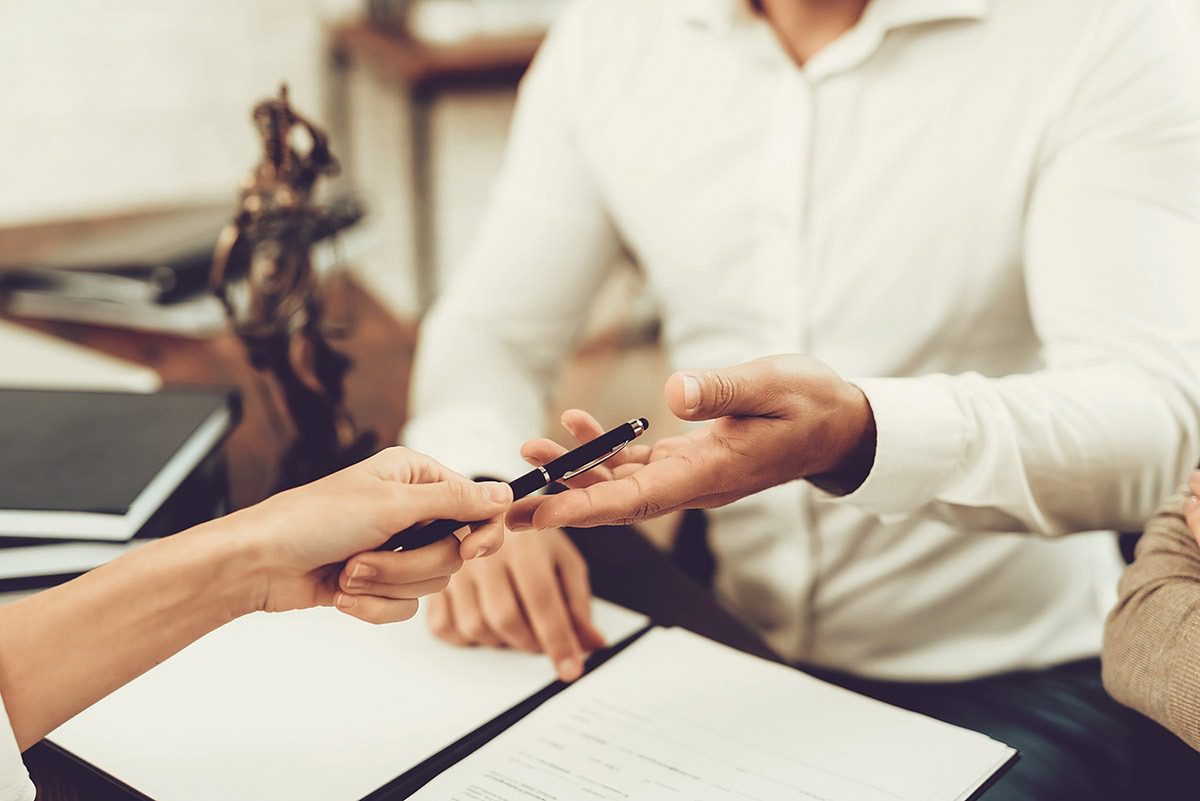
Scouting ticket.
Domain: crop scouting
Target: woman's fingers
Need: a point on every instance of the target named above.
(456, 499)
(481, 541)
(401, 465)
(441, 558)
(374, 609)
(417, 589)
(520, 514)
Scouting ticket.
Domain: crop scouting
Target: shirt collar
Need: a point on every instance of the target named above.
(715, 15)
(892, 14)
(720, 15)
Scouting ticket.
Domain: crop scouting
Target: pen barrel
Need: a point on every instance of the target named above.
(592, 451)
(420, 536)
(528, 484)
(586, 455)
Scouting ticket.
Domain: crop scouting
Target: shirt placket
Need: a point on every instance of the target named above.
(784, 192)
(787, 182)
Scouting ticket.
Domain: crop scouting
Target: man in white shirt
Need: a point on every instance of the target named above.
(983, 213)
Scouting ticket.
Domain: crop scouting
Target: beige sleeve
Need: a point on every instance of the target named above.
(1152, 640)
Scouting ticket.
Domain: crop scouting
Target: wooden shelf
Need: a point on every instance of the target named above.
(431, 67)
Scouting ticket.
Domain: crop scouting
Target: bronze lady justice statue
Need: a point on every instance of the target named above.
(263, 273)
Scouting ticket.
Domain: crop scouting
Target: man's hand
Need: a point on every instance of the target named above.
(314, 544)
(775, 420)
(533, 596)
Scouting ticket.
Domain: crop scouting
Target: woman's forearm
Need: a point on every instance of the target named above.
(64, 649)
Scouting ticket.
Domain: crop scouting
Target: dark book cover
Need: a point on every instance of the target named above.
(203, 496)
(100, 464)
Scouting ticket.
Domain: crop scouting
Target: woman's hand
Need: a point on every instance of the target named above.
(314, 544)
(774, 420)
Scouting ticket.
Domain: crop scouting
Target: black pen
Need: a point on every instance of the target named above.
(565, 467)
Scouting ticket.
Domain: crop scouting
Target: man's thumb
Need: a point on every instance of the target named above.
(741, 390)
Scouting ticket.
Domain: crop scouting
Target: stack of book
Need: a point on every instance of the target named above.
(87, 476)
(149, 275)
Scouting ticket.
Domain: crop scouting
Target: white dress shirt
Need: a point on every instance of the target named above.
(985, 212)
(14, 779)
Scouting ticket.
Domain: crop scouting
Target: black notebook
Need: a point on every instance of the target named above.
(98, 465)
(31, 564)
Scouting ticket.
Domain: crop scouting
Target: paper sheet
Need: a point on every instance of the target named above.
(304, 705)
(29, 359)
(675, 716)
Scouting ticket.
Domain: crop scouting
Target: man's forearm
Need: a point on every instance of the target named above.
(63, 649)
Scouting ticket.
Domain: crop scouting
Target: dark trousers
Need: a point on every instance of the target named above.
(1075, 743)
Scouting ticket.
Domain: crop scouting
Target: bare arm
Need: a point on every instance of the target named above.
(64, 649)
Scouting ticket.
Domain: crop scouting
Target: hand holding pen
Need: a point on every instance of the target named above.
(565, 467)
(534, 595)
(770, 421)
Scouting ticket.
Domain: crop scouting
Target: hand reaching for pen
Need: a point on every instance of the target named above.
(774, 420)
(315, 542)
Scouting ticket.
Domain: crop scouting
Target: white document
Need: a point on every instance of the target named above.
(310, 705)
(676, 716)
(32, 360)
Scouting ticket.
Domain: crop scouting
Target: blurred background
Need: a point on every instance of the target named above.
(126, 133)
(132, 105)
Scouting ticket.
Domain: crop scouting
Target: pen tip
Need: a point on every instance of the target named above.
(645, 424)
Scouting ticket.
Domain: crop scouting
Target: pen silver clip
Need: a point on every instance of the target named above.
(572, 473)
